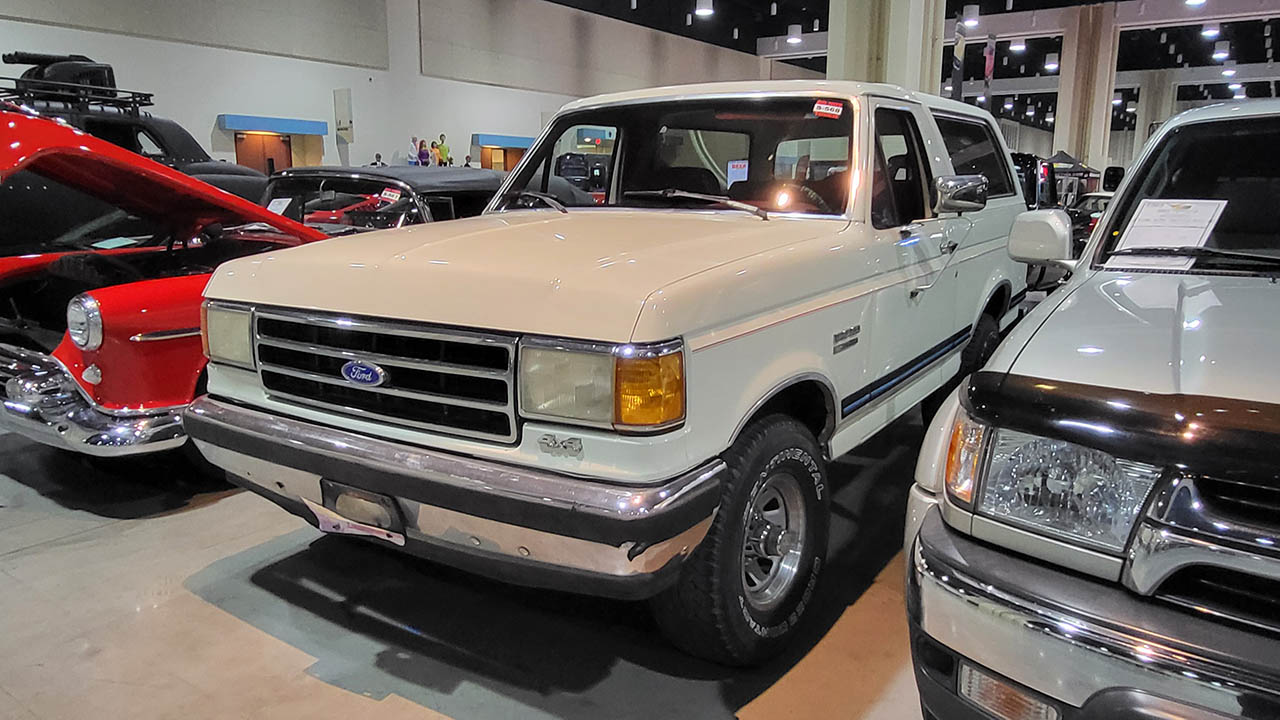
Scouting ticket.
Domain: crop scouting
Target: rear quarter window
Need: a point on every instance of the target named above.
(974, 151)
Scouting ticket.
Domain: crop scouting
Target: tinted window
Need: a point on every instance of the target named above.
(1236, 161)
(974, 151)
(900, 181)
(43, 215)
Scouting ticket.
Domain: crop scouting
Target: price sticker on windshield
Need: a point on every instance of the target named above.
(390, 194)
(828, 109)
(279, 205)
(1160, 223)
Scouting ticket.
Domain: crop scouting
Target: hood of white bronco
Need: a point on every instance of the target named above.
(582, 274)
(1214, 336)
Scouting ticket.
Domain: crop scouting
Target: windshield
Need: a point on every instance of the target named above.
(1235, 162)
(355, 203)
(777, 154)
(41, 215)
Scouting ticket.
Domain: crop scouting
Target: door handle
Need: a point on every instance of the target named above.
(909, 230)
(948, 246)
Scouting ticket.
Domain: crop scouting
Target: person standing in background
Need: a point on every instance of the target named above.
(414, 146)
(377, 161)
(468, 162)
(444, 151)
(424, 153)
(435, 153)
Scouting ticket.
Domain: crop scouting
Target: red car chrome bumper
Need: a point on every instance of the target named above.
(42, 402)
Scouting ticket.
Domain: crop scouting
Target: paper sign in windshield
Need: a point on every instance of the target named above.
(279, 205)
(827, 109)
(738, 170)
(115, 242)
(390, 194)
(1167, 223)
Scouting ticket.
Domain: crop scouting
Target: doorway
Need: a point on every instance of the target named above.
(265, 152)
(496, 158)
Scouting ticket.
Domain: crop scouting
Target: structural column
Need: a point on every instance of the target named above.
(1087, 68)
(894, 41)
(1157, 97)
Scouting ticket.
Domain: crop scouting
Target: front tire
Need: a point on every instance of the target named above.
(741, 595)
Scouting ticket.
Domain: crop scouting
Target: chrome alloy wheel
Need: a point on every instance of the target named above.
(774, 540)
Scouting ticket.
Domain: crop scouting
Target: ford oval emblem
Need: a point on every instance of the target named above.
(364, 373)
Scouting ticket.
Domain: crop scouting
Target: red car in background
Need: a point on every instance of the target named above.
(100, 304)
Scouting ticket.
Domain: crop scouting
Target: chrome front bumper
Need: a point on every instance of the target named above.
(43, 402)
(1079, 642)
(514, 523)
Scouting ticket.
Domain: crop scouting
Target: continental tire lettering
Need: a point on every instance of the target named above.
(800, 456)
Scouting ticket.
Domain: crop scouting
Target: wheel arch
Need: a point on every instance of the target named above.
(996, 299)
(809, 397)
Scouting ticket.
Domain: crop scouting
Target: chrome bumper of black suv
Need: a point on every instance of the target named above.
(1087, 648)
(518, 524)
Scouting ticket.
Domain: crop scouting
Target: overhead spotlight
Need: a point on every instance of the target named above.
(793, 34)
(1229, 68)
(946, 88)
(969, 16)
(633, 4)
(1240, 95)
(1195, 3)
(688, 18)
(982, 98)
(1008, 104)
(1051, 62)
(1221, 50)
(817, 24)
(1049, 118)
(1117, 100)
(1235, 86)
(773, 8)
(704, 8)
(735, 33)
(1211, 30)
(1031, 110)
(1131, 107)
(1018, 45)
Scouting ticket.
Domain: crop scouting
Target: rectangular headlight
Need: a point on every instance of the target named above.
(227, 334)
(566, 384)
(624, 386)
(1065, 490)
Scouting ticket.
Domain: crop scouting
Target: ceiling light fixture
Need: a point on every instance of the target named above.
(793, 34)
(773, 8)
(688, 18)
(1031, 111)
(1117, 100)
(1240, 95)
(817, 24)
(1018, 45)
(1131, 107)
(1235, 86)
(704, 8)
(1051, 62)
(1229, 68)
(633, 4)
(982, 98)
(1211, 30)
(1221, 50)
(735, 33)
(1008, 104)
(1195, 3)
(969, 17)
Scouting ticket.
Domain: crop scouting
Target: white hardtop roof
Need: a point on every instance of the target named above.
(764, 88)
(1230, 110)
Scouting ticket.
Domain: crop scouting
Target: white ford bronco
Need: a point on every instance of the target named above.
(632, 391)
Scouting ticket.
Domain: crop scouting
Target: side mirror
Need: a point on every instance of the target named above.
(1042, 237)
(1111, 178)
(960, 193)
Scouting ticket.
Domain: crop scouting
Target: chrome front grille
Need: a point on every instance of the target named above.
(1212, 546)
(450, 381)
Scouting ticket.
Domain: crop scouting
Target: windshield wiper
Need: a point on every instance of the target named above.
(550, 200)
(721, 199)
(1197, 252)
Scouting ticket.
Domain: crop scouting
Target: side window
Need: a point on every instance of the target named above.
(148, 146)
(577, 153)
(900, 174)
(974, 151)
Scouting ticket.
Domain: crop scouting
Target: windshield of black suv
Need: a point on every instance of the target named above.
(358, 203)
(41, 215)
(772, 154)
(1236, 161)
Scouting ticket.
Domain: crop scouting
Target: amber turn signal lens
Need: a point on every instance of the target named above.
(204, 327)
(963, 457)
(649, 391)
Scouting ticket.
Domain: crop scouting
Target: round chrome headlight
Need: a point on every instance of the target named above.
(84, 322)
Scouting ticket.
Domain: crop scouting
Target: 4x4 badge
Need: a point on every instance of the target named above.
(568, 447)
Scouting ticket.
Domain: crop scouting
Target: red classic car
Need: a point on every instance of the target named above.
(100, 304)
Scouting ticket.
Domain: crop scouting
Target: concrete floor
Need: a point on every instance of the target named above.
(138, 590)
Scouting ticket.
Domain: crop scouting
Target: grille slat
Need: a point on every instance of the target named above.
(455, 382)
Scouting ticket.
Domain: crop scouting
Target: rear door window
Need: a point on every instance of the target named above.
(901, 180)
(974, 151)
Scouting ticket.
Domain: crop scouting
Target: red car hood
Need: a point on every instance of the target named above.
(125, 179)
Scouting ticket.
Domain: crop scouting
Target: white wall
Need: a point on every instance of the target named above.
(351, 33)
(193, 84)
(544, 46)
(1022, 138)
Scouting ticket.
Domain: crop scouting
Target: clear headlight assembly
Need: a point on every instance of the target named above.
(1051, 487)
